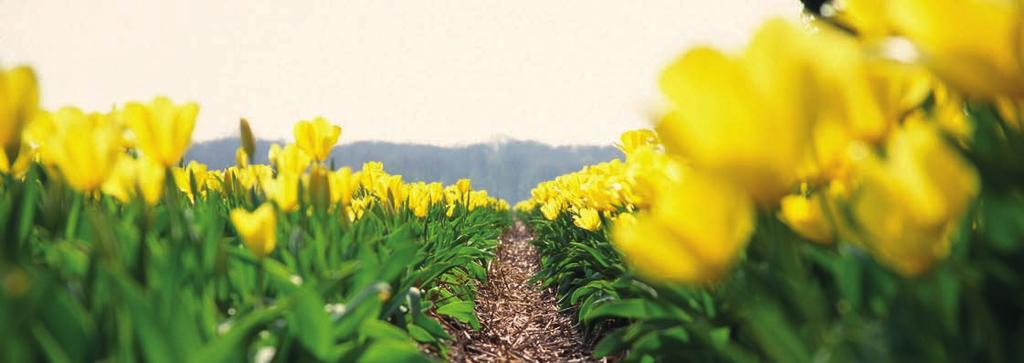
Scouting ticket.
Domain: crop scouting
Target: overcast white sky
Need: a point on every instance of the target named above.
(439, 72)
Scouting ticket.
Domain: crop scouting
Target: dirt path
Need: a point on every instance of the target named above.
(520, 323)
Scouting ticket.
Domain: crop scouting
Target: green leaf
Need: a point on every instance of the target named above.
(635, 309)
(462, 311)
(392, 351)
(420, 335)
(312, 323)
(227, 346)
(612, 343)
(381, 330)
(719, 336)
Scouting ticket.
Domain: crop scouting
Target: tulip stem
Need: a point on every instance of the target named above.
(76, 208)
(261, 272)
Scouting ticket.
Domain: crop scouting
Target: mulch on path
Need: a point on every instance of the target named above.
(520, 322)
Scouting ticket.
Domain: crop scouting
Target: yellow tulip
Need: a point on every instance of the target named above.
(692, 234)
(343, 184)
(258, 229)
(121, 183)
(19, 102)
(551, 209)
(134, 178)
(908, 205)
(273, 153)
(806, 216)
(318, 187)
(587, 219)
(193, 172)
(745, 118)
(357, 208)
(215, 181)
(284, 191)
(162, 129)
(86, 148)
(972, 44)
(1010, 110)
(150, 176)
(291, 160)
(20, 165)
(635, 139)
(464, 185)
(419, 200)
(436, 191)
(869, 18)
(241, 157)
(316, 137)
(393, 189)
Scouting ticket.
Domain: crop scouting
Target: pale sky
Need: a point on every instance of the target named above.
(438, 72)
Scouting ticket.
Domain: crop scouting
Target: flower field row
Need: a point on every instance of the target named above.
(820, 195)
(113, 250)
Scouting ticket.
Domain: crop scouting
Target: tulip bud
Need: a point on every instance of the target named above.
(247, 139)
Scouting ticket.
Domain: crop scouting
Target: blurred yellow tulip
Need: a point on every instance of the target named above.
(241, 157)
(258, 229)
(150, 176)
(284, 191)
(806, 216)
(19, 102)
(162, 129)
(191, 180)
(86, 147)
(868, 18)
(316, 137)
(464, 185)
(908, 204)
(692, 234)
(18, 167)
(343, 184)
(974, 45)
(746, 118)
(291, 160)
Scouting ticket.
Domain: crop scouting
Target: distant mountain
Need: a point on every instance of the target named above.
(507, 168)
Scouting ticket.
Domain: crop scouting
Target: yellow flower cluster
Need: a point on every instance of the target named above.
(123, 153)
(821, 127)
(128, 153)
(608, 188)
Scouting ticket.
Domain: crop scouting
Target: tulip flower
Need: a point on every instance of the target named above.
(971, 44)
(291, 160)
(19, 166)
(258, 229)
(86, 148)
(19, 102)
(162, 129)
(746, 118)
(551, 209)
(806, 216)
(909, 204)
(316, 137)
(343, 185)
(587, 219)
(635, 139)
(191, 179)
(284, 190)
(692, 234)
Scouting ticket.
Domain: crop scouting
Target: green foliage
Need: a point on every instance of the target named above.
(89, 279)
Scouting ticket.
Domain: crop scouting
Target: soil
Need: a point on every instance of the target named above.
(520, 322)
